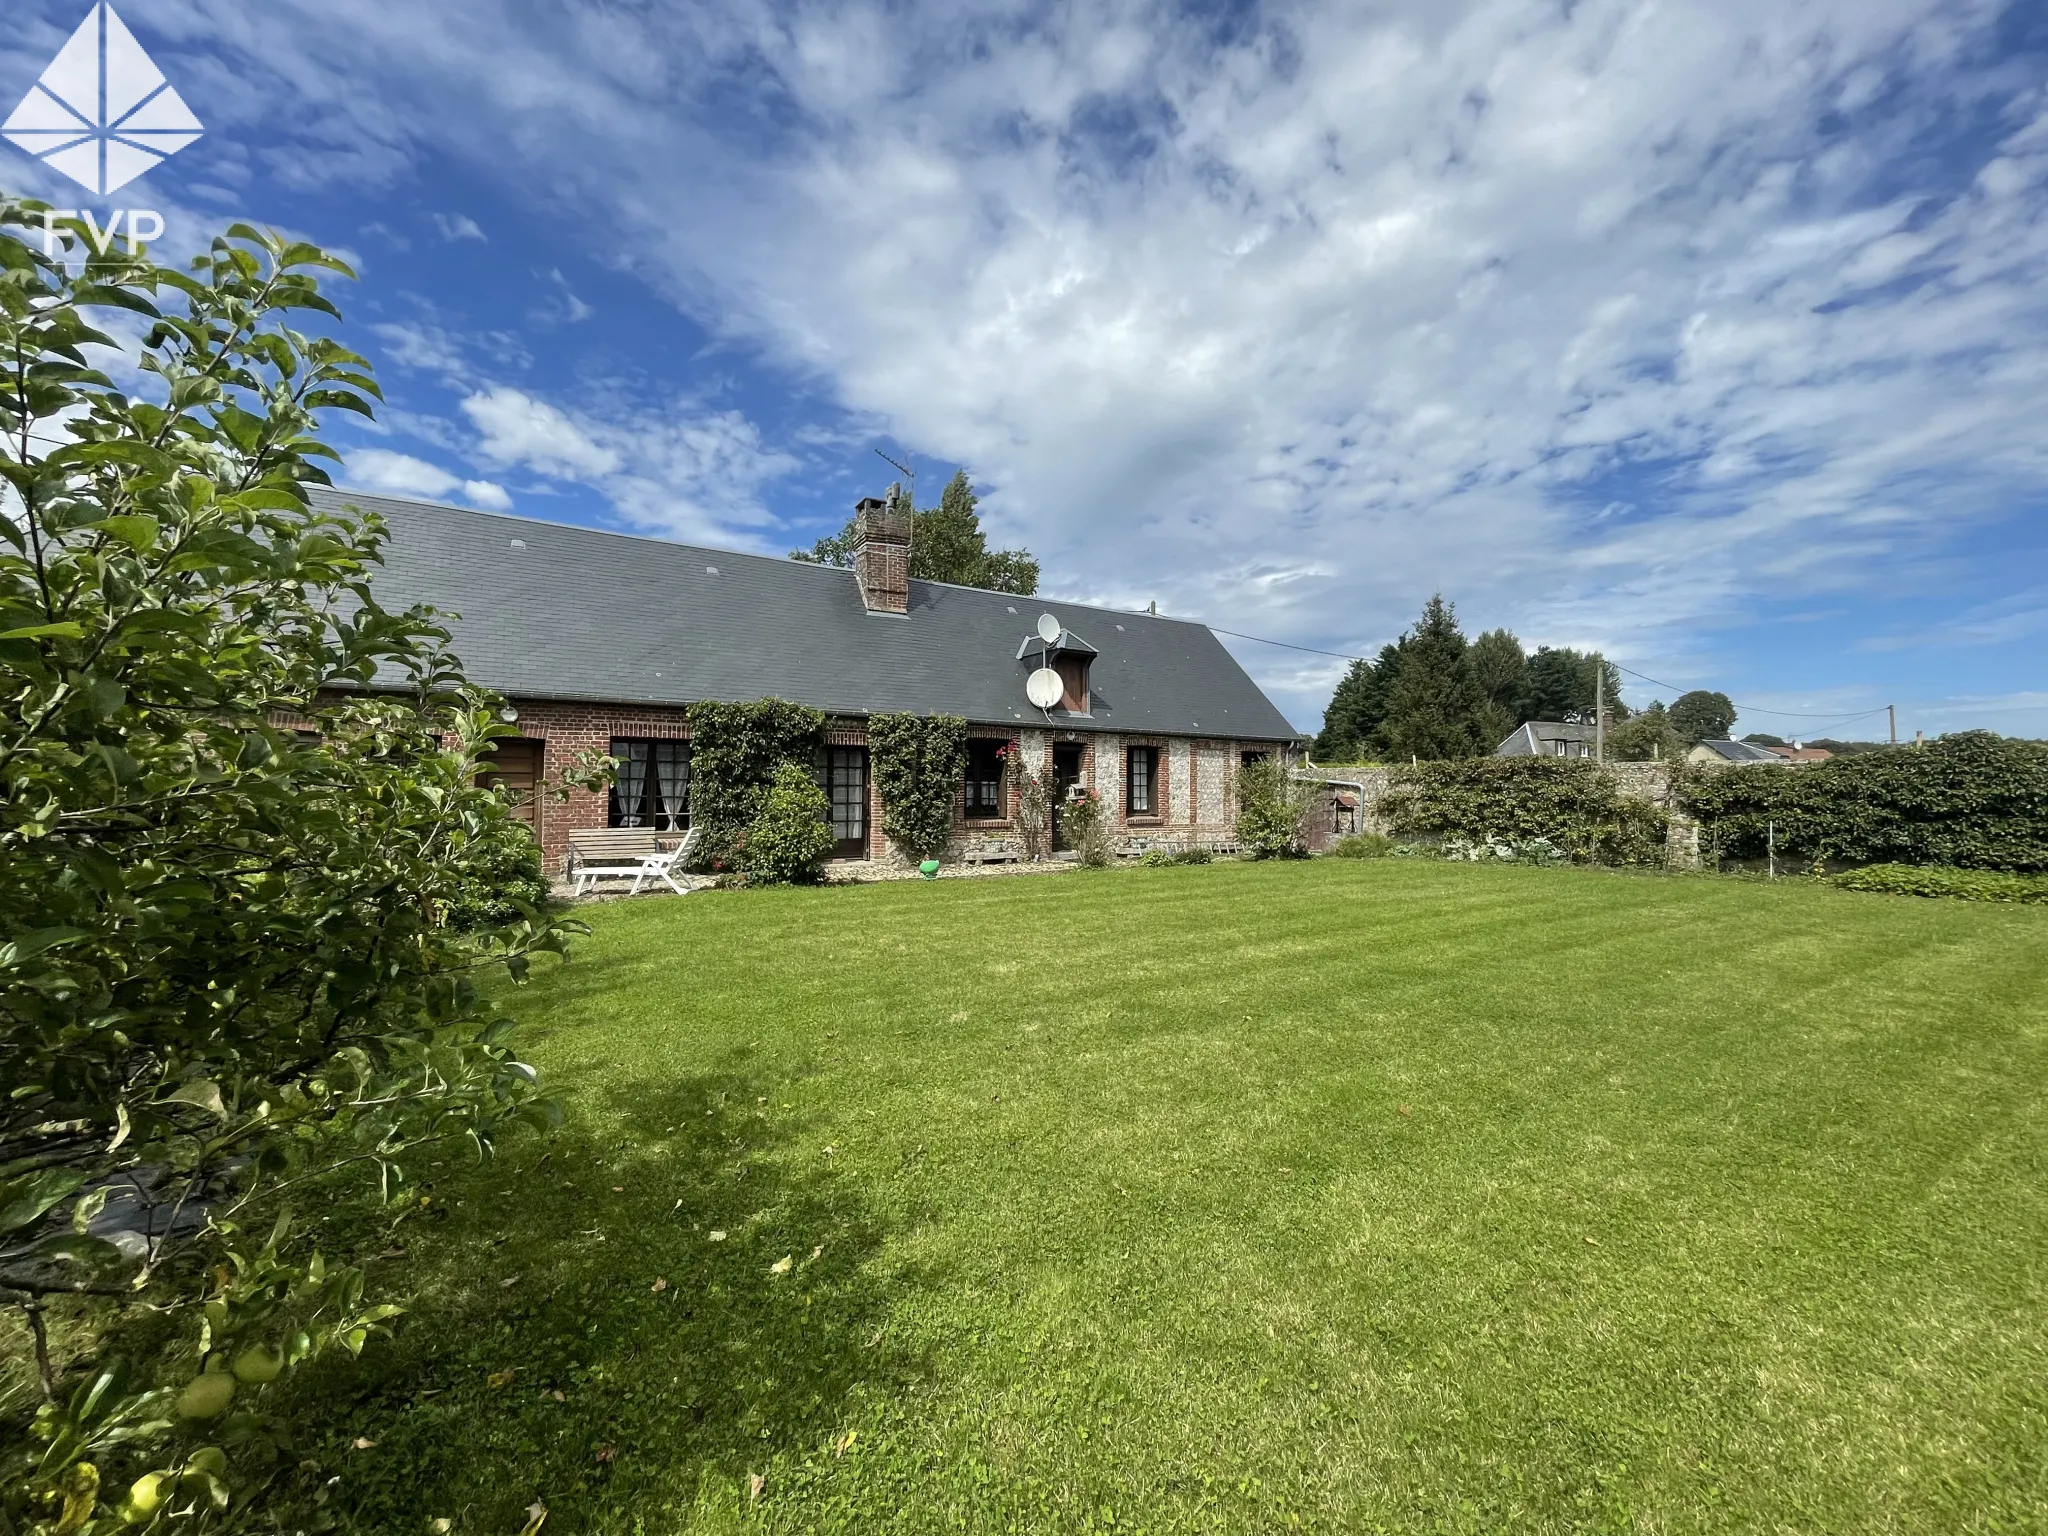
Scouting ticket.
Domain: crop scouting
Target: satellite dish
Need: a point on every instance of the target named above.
(1049, 628)
(1043, 688)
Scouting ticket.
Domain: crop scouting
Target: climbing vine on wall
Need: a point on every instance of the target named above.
(918, 764)
(735, 753)
(1572, 802)
(1030, 789)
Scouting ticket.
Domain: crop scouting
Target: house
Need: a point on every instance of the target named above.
(1549, 738)
(1795, 753)
(1721, 754)
(602, 640)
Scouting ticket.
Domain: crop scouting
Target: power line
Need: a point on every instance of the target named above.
(1747, 709)
(1285, 644)
(1754, 709)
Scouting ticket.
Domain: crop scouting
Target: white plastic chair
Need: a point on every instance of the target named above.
(661, 866)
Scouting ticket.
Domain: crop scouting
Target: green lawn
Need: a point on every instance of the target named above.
(1340, 1197)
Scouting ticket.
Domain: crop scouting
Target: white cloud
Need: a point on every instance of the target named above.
(684, 470)
(568, 309)
(517, 429)
(426, 347)
(399, 474)
(458, 226)
(430, 346)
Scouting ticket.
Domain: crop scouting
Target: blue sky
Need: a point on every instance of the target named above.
(1714, 334)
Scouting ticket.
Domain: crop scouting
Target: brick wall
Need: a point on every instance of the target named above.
(569, 729)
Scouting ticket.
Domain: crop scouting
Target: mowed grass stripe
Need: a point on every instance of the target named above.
(1714, 1207)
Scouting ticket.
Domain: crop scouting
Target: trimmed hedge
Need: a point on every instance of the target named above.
(1936, 880)
(1973, 800)
(1571, 803)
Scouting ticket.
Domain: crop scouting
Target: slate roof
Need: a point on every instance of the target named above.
(557, 612)
(1538, 738)
(1741, 752)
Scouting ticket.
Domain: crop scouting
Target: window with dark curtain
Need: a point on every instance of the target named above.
(671, 785)
(984, 799)
(1140, 780)
(629, 789)
(653, 786)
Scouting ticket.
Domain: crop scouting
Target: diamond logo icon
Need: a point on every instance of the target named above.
(102, 113)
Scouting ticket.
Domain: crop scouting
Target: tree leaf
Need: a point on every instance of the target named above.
(25, 1201)
(32, 944)
(133, 529)
(202, 1092)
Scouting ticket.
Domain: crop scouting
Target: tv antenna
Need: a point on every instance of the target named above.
(908, 474)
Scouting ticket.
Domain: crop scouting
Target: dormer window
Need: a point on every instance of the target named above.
(1073, 671)
(1070, 656)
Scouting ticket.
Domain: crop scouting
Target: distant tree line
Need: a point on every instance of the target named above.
(1435, 695)
(946, 544)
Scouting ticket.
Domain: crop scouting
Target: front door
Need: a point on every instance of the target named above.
(846, 785)
(1066, 773)
(513, 765)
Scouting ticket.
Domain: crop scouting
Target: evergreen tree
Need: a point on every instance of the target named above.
(1434, 705)
(1357, 709)
(1501, 669)
(946, 544)
(1560, 687)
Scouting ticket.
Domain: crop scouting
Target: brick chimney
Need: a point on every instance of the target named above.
(881, 552)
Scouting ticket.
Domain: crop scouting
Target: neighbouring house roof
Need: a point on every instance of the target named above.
(552, 611)
(1798, 754)
(1737, 752)
(1539, 738)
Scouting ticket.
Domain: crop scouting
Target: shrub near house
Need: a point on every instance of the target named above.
(1273, 808)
